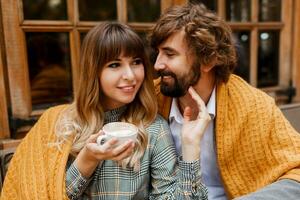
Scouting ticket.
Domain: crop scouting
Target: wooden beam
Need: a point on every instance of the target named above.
(254, 44)
(4, 125)
(285, 44)
(15, 49)
(296, 50)
(122, 10)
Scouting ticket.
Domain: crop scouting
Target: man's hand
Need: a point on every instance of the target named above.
(193, 130)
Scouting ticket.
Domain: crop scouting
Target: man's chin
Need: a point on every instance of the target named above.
(172, 92)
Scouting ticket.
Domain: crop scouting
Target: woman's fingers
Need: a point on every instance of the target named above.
(196, 97)
(108, 151)
(93, 137)
(125, 151)
(187, 114)
(203, 113)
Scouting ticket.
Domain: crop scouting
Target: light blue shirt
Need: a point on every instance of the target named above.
(210, 170)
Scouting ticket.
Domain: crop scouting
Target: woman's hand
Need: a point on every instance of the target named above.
(90, 156)
(193, 130)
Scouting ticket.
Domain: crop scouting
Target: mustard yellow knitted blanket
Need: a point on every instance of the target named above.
(37, 170)
(255, 144)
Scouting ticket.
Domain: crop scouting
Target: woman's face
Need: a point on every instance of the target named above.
(120, 81)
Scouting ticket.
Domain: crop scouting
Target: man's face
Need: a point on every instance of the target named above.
(176, 66)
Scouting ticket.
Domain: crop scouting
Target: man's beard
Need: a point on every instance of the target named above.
(181, 83)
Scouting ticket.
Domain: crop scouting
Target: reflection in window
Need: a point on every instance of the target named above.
(143, 10)
(95, 10)
(45, 9)
(49, 68)
(82, 35)
(210, 4)
(270, 10)
(267, 71)
(238, 10)
(242, 43)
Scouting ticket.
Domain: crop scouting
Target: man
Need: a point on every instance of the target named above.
(249, 151)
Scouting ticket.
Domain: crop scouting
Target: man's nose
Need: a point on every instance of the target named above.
(159, 64)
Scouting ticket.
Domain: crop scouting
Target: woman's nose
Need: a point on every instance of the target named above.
(128, 73)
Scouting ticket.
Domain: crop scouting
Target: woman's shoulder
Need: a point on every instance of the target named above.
(158, 126)
(51, 114)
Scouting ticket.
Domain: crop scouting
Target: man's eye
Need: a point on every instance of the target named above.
(114, 65)
(170, 54)
(137, 61)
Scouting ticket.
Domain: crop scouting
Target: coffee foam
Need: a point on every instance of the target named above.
(121, 133)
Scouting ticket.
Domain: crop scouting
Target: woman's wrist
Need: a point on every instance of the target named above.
(190, 152)
(85, 163)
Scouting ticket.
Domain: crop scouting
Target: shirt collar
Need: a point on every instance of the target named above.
(177, 116)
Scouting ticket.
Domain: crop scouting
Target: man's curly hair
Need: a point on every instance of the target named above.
(208, 37)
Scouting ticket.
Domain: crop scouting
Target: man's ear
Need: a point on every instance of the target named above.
(207, 67)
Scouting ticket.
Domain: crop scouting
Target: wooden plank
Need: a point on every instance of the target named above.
(253, 57)
(46, 23)
(221, 9)
(4, 124)
(72, 11)
(179, 2)
(254, 10)
(141, 26)
(122, 10)
(46, 28)
(285, 44)
(296, 51)
(16, 60)
(9, 143)
(75, 53)
(254, 44)
(164, 4)
(251, 25)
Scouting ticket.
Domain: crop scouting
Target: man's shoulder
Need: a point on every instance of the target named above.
(240, 88)
(243, 96)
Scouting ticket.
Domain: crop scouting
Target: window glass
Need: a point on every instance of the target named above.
(269, 10)
(242, 43)
(143, 10)
(238, 10)
(268, 54)
(45, 9)
(210, 4)
(49, 68)
(95, 10)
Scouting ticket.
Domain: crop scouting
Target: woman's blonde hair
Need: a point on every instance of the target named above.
(85, 116)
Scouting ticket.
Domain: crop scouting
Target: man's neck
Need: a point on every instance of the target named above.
(204, 88)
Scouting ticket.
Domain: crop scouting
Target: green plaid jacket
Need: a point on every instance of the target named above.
(161, 174)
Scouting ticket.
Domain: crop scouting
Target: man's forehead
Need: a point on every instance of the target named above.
(175, 40)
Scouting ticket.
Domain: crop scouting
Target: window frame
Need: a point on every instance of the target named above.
(14, 30)
(14, 75)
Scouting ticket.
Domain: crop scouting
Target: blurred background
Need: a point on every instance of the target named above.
(40, 45)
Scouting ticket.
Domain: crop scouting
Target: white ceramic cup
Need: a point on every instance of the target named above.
(122, 131)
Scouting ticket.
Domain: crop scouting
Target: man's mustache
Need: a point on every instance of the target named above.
(166, 73)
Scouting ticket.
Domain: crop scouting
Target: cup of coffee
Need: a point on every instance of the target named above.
(122, 131)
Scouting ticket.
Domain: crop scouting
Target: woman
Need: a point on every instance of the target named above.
(115, 85)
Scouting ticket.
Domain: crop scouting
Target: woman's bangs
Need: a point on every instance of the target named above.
(123, 42)
(132, 46)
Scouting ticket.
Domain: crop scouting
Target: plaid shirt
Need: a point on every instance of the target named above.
(160, 176)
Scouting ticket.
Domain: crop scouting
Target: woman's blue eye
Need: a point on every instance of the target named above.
(114, 65)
